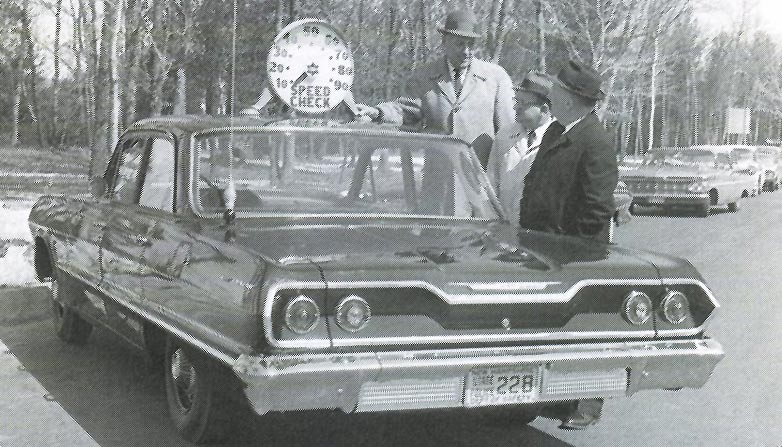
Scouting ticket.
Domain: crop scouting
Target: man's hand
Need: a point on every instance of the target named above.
(367, 111)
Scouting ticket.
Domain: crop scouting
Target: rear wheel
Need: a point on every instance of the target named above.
(734, 206)
(703, 210)
(68, 324)
(199, 394)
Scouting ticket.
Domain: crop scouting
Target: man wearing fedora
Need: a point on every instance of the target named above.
(569, 189)
(456, 94)
(517, 145)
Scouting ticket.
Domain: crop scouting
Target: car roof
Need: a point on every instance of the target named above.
(192, 124)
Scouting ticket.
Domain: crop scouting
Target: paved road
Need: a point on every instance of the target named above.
(106, 389)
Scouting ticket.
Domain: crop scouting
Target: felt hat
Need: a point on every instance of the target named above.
(536, 83)
(462, 23)
(581, 79)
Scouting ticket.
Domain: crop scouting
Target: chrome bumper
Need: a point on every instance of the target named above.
(671, 199)
(398, 380)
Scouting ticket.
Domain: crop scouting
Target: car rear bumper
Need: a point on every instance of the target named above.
(689, 199)
(399, 380)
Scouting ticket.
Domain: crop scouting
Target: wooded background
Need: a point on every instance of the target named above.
(115, 61)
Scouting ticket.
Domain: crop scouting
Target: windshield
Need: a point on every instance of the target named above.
(312, 173)
(743, 154)
(766, 154)
(683, 157)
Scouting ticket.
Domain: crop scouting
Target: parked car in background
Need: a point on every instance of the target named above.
(745, 163)
(622, 199)
(699, 177)
(306, 264)
(770, 160)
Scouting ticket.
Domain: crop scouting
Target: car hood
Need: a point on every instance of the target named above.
(452, 251)
(663, 172)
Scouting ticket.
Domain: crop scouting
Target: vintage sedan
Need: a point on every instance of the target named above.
(744, 162)
(700, 177)
(302, 265)
(770, 160)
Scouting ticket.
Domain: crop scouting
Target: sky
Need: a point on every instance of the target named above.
(725, 15)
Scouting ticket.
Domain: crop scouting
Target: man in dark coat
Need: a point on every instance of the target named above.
(569, 189)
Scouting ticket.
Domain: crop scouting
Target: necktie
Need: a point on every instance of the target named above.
(457, 80)
(530, 140)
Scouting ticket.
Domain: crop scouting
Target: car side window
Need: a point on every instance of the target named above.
(128, 175)
(157, 191)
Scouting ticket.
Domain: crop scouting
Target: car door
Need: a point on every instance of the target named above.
(130, 227)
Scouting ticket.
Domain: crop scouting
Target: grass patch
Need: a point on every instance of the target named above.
(74, 160)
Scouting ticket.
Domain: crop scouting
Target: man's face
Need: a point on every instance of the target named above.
(458, 49)
(529, 111)
(560, 100)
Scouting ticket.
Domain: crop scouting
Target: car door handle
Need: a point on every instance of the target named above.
(142, 240)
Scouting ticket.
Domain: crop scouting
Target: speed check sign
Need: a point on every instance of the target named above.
(310, 66)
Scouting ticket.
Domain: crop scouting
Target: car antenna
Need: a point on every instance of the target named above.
(229, 194)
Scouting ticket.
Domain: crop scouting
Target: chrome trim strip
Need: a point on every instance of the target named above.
(228, 360)
(486, 286)
(225, 358)
(469, 299)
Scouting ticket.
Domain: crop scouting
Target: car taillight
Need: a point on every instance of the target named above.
(637, 307)
(675, 307)
(301, 314)
(353, 313)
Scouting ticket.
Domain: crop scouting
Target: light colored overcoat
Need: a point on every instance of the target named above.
(429, 101)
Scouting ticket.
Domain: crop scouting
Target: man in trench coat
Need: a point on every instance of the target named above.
(456, 94)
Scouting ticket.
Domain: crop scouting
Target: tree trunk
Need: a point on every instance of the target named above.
(112, 135)
(655, 58)
(15, 113)
(56, 79)
(541, 36)
(180, 100)
(32, 73)
(392, 40)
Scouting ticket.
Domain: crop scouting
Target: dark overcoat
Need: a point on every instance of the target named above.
(570, 186)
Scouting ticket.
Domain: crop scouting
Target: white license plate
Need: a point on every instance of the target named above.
(502, 386)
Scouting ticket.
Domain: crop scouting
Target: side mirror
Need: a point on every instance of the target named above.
(97, 187)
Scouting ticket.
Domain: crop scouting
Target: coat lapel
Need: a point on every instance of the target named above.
(553, 139)
(470, 81)
(443, 80)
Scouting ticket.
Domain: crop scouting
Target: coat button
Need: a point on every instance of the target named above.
(456, 109)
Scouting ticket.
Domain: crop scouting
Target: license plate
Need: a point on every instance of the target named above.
(656, 201)
(502, 386)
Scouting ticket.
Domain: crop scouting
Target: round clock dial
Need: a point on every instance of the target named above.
(310, 66)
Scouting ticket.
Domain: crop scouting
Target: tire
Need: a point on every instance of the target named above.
(69, 326)
(703, 210)
(734, 206)
(198, 394)
(631, 210)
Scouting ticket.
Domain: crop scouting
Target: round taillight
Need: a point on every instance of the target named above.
(353, 313)
(637, 307)
(301, 314)
(675, 307)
